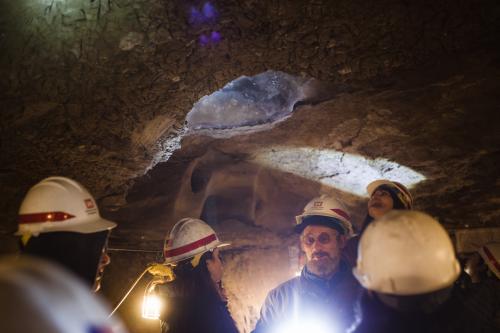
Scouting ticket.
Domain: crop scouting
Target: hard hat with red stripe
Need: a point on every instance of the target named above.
(188, 238)
(491, 255)
(60, 204)
(328, 211)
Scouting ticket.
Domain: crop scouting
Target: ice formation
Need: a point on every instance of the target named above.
(250, 101)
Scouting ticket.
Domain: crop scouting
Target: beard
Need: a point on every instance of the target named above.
(322, 264)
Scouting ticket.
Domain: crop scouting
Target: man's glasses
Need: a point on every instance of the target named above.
(323, 238)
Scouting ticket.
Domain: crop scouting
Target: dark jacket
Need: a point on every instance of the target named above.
(484, 299)
(202, 313)
(309, 296)
(350, 251)
(373, 316)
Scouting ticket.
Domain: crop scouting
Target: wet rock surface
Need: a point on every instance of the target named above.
(99, 91)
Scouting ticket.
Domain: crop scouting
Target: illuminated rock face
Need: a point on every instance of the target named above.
(250, 186)
(101, 94)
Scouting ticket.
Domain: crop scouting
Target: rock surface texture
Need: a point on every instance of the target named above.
(99, 91)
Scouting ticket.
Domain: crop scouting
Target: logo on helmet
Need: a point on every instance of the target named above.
(89, 203)
(318, 204)
(91, 207)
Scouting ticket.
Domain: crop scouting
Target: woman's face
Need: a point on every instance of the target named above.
(215, 267)
(380, 203)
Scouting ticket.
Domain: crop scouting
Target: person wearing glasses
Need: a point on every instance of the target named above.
(321, 299)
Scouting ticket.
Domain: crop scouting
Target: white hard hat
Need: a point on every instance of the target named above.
(38, 296)
(60, 204)
(406, 253)
(403, 194)
(188, 238)
(491, 255)
(329, 207)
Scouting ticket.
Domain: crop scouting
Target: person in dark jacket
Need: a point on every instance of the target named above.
(483, 291)
(59, 220)
(321, 299)
(408, 268)
(196, 301)
(385, 196)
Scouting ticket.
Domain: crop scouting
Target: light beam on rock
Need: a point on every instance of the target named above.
(344, 171)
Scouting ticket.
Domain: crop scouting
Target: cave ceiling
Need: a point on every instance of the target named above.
(99, 91)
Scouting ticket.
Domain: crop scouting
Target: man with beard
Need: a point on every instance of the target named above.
(321, 299)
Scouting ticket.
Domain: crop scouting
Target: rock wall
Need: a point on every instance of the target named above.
(99, 90)
(102, 87)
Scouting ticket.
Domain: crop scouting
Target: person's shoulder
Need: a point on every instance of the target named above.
(459, 312)
(286, 286)
(350, 251)
(347, 280)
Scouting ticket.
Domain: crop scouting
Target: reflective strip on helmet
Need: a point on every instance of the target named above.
(191, 246)
(341, 213)
(44, 217)
(491, 258)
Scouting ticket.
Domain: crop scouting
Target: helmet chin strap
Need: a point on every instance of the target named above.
(196, 259)
(25, 239)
